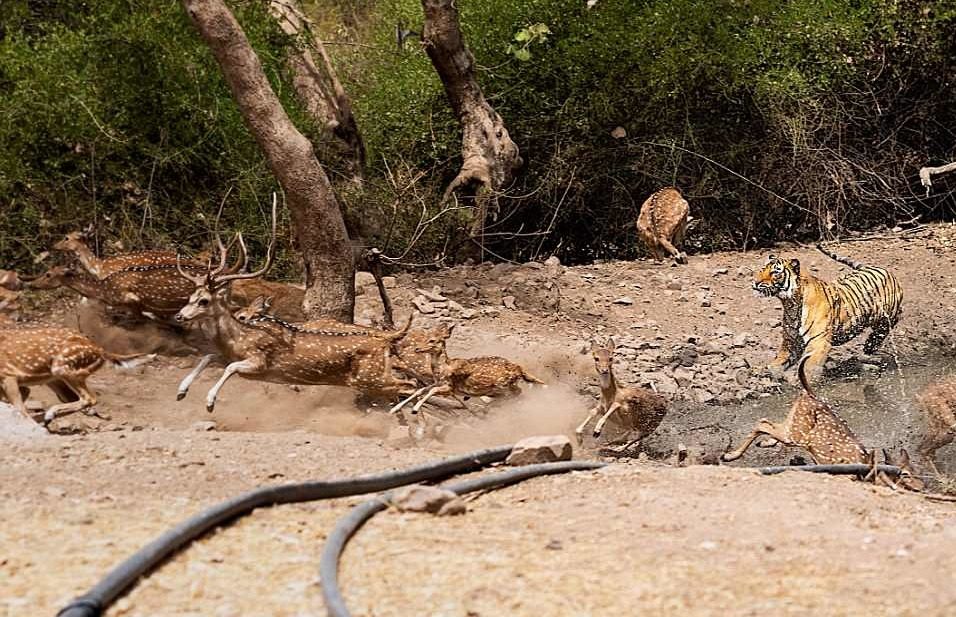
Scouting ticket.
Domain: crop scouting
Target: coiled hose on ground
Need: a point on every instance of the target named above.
(123, 576)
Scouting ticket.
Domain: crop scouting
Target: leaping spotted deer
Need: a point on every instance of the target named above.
(639, 411)
(75, 242)
(59, 358)
(262, 351)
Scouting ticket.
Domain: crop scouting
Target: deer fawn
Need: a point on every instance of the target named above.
(264, 353)
(662, 223)
(938, 401)
(638, 411)
(59, 358)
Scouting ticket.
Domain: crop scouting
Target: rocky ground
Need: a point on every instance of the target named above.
(641, 535)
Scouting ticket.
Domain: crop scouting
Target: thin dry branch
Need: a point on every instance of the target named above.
(926, 174)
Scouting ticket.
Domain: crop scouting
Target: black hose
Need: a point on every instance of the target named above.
(123, 576)
(354, 520)
(840, 470)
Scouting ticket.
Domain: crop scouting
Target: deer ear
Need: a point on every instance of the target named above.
(904, 458)
(267, 301)
(595, 346)
(611, 344)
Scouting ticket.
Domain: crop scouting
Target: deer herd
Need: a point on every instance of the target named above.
(257, 329)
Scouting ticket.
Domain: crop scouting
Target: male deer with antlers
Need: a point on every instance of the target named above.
(265, 353)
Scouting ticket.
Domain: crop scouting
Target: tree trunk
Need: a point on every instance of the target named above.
(489, 156)
(318, 87)
(319, 227)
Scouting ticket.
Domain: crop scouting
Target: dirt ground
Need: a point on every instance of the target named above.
(640, 535)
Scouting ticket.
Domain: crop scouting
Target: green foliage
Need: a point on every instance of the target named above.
(116, 112)
(525, 38)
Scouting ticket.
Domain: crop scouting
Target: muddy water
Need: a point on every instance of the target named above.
(879, 405)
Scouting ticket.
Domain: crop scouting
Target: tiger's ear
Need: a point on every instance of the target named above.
(795, 265)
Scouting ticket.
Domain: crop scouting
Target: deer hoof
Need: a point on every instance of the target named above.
(48, 417)
(210, 406)
(596, 434)
(180, 396)
(727, 457)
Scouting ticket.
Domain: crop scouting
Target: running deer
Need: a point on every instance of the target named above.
(662, 224)
(59, 358)
(938, 402)
(260, 351)
(465, 377)
(76, 242)
(638, 411)
(813, 425)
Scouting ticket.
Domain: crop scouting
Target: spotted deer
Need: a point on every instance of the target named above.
(59, 358)
(662, 224)
(638, 411)
(938, 402)
(75, 242)
(9, 306)
(465, 377)
(265, 353)
(813, 425)
(10, 281)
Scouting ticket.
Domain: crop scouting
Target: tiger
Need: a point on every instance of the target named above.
(662, 223)
(818, 314)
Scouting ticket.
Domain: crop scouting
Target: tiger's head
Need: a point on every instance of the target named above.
(780, 277)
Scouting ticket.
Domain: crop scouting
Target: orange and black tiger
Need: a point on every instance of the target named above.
(819, 314)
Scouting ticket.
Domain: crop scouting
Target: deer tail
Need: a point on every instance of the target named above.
(128, 361)
(801, 371)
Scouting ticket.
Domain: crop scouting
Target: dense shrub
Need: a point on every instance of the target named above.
(778, 120)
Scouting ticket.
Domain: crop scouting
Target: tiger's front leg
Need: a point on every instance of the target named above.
(784, 357)
(818, 349)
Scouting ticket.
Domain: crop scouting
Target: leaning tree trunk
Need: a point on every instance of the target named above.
(489, 156)
(318, 87)
(319, 227)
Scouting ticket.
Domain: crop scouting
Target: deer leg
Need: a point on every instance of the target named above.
(579, 431)
(87, 399)
(244, 366)
(12, 389)
(672, 250)
(63, 392)
(934, 439)
(763, 427)
(600, 423)
(193, 374)
(434, 391)
(410, 398)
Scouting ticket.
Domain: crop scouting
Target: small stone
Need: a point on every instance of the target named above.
(390, 282)
(741, 340)
(421, 498)
(363, 279)
(455, 306)
(423, 305)
(552, 262)
(203, 426)
(720, 271)
(487, 400)
(432, 296)
(509, 302)
(540, 449)
(625, 300)
(741, 272)
(619, 132)
(683, 377)
(554, 545)
(468, 314)
(675, 285)
(705, 302)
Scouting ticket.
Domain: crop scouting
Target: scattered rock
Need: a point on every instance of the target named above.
(468, 314)
(421, 498)
(625, 300)
(203, 426)
(390, 282)
(363, 279)
(540, 449)
(509, 302)
(432, 296)
(675, 285)
(720, 271)
(552, 262)
(423, 305)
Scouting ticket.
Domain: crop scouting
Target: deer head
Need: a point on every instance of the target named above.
(74, 240)
(908, 477)
(51, 279)
(603, 360)
(212, 289)
(435, 339)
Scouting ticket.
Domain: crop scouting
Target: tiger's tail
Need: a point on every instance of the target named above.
(801, 371)
(843, 260)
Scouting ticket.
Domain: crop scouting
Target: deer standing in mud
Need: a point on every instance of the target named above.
(662, 224)
(638, 411)
(262, 351)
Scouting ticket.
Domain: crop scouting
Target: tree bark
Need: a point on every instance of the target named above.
(489, 156)
(319, 227)
(318, 87)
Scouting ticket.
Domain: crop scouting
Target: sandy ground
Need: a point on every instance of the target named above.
(638, 536)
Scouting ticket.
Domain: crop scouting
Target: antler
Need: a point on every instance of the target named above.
(222, 278)
(195, 280)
